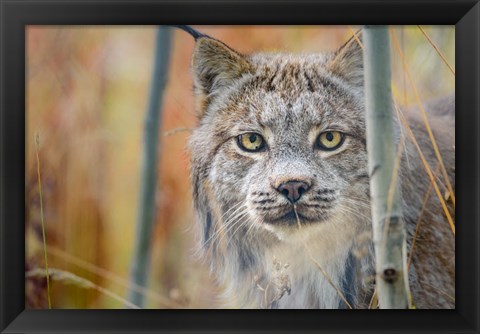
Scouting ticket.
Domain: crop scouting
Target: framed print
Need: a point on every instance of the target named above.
(215, 164)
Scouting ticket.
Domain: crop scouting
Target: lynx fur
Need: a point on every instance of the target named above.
(267, 251)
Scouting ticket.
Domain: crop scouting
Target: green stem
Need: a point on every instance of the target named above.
(388, 225)
(146, 207)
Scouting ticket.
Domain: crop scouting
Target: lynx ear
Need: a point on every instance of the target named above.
(347, 61)
(216, 66)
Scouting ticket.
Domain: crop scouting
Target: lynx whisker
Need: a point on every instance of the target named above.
(233, 208)
(350, 211)
(253, 225)
(225, 226)
(228, 227)
(241, 223)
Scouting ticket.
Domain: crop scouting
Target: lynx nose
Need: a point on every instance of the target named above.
(293, 190)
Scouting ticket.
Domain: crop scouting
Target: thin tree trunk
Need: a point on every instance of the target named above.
(388, 224)
(146, 207)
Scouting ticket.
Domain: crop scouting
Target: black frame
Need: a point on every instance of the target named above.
(15, 14)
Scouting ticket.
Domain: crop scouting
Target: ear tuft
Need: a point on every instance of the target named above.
(216, 66)
(347, 61)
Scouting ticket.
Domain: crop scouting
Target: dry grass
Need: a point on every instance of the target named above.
(114, 278)
(70, 278)
(437, 50)
(425, 119)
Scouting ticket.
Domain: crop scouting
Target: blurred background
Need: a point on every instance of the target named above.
(87, 90)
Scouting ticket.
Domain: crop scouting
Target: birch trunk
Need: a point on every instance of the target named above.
(146, 207)
(388, 225)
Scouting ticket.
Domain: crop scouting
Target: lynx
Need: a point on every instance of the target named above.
(281, 185)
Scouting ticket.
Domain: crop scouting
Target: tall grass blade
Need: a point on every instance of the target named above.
(437, 50)
(37, 145)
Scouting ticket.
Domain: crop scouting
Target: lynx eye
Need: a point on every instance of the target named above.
(330, 140)
(251, 142)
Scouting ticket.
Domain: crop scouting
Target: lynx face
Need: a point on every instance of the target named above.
(279, 132)
(279, 176)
